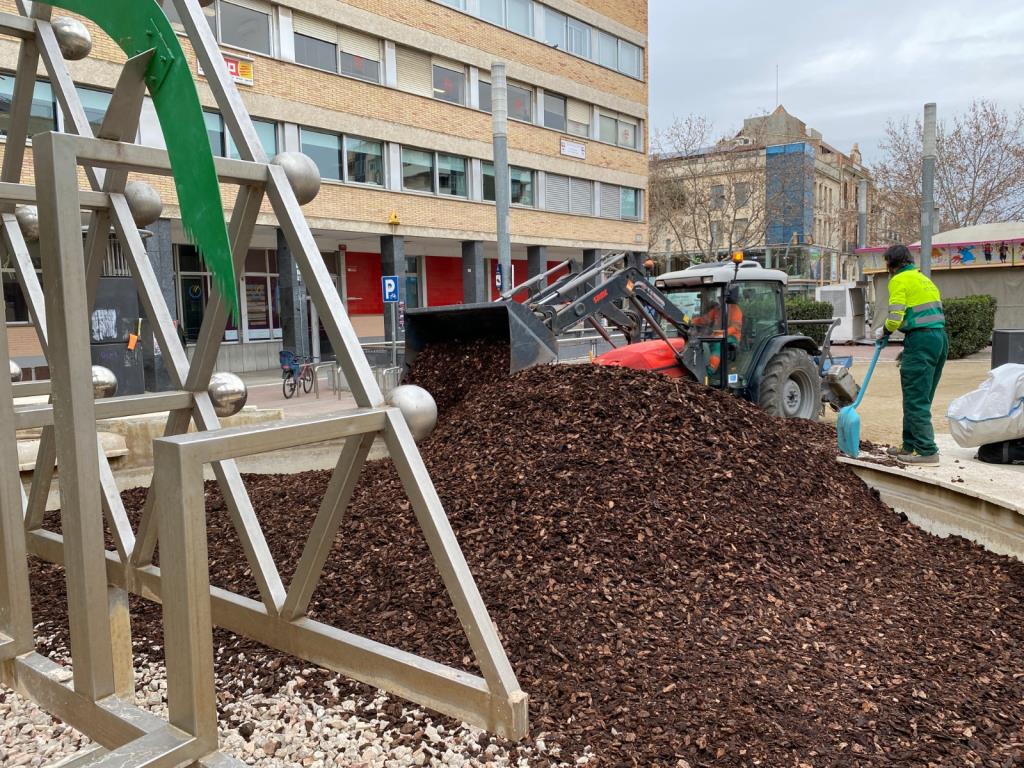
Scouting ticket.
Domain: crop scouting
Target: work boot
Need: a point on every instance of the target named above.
(916, 458)
(896, 450)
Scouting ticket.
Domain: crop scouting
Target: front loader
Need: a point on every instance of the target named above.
(663, 328)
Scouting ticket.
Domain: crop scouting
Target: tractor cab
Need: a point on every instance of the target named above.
(734, 310)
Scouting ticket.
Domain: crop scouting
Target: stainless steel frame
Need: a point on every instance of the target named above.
(98, 699)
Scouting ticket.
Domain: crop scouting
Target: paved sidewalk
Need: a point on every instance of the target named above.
(265, 392)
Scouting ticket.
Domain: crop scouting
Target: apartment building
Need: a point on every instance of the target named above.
(391, 99)
(776, 190)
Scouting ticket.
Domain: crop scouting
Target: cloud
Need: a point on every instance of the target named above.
(845, 68)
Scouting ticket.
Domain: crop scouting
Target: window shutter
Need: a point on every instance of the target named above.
(581, 197)
(313, 27)
(358, 44)
(611, 202)
(415, 73)
(449, 64)
(556, 193)
(254, 5)
(578, 112)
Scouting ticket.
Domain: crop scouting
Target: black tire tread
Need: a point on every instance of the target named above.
(777, 372)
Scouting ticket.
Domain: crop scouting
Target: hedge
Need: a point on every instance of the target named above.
(801, 308)
(969, 324)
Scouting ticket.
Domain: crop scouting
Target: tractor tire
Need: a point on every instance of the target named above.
(790, 386)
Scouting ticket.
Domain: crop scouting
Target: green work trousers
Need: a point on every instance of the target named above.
(924, 354)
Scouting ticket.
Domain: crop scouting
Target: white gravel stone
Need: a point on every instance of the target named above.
(300, 724)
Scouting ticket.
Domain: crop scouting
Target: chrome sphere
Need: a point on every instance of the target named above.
(73, 38)
(104, 382)
(15, 372)
(28, 221)
(144, 202)
(302, 174)
(228, 393)
(418, 407)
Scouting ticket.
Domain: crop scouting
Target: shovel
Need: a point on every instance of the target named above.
(848, 426)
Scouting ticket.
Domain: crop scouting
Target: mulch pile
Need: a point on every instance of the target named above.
(678, 578)
(450, 371)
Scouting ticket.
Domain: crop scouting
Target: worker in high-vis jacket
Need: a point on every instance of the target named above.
(915, 308)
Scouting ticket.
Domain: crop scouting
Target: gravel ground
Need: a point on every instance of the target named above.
(310, 721)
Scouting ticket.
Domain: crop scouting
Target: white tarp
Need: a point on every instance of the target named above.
(992, 413)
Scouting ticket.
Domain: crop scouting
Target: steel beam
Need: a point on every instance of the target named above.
(81, 513)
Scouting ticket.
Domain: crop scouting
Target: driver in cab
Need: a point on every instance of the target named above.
(709, 323)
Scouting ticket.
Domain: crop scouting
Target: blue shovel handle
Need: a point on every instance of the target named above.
(879, 345)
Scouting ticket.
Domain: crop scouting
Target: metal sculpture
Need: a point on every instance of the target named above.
(98, 700)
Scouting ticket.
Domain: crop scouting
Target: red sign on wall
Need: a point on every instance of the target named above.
(241, 69)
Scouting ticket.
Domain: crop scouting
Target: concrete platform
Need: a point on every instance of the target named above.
(961, 496)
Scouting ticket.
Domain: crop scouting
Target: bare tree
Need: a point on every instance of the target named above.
(979, 171)
(707, 193)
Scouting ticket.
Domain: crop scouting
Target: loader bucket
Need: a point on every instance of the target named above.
(530, 342)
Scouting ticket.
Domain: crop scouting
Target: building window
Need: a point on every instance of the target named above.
(267, 132)
(364, 161)
(359, 55)
(554, 111)
(623, 131)
(607, 50)
(417, 170)
(484, 95)
(515, 15)
(521, 180)
(741, 193)
(43, 116)
(317, 53)
(579, 117)
(519, 16)
(522, 186)
(630, 60)
(460, 4)
(520, 103)
(324, 149)
(554, 28)
(717, 197)
(215, 132)
(449, 85)
(194, 292)
(579, 36)
(95, 104)
(451, 176)
(224, 146)
(629, 203)
(210, 12)
(244, 27)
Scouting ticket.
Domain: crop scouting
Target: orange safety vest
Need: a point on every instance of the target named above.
(735, 331)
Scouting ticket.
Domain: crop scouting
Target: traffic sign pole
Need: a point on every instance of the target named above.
(389, 292)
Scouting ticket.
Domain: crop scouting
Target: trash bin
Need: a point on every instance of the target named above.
(1007, 346)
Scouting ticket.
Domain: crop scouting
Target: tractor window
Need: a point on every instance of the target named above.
(693, 302)
(763, 319)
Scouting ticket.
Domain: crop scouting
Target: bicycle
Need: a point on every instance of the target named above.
(295, 372)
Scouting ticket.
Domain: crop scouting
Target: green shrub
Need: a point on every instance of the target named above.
(969, 324)
(801, 308)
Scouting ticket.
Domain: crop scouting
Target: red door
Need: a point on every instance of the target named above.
(362, 284)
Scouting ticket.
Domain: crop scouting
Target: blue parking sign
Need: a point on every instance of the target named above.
(389, 287)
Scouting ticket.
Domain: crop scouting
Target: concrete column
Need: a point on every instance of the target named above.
(474, 272)
(294, 318)
(160, 251)
(536, 263)
(392, 262)
(590, 257)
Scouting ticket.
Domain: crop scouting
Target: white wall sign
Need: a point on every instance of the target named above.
(574, 149)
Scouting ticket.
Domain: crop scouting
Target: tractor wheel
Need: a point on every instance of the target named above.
(790, 387)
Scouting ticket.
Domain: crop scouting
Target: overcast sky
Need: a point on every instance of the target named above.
(845, 67)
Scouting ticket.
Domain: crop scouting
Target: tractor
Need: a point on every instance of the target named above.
(722, 324)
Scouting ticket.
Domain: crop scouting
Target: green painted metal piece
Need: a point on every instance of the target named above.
(138, 26)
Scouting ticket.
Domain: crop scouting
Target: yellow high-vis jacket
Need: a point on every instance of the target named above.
(914, 302)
